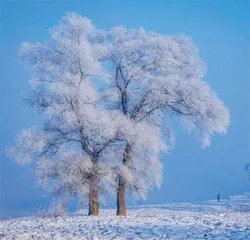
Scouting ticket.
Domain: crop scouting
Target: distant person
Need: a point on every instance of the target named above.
(218, 197)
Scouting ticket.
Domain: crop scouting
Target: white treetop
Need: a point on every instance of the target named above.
(162, 74)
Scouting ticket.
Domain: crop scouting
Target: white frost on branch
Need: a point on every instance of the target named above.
(163, 74)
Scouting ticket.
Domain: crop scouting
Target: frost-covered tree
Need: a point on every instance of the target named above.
(78, 149)
(154, 76)
(69, 150)
(95, 142)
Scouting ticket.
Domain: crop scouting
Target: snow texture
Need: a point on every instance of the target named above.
(228, 219)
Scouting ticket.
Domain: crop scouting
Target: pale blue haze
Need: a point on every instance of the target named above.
(220, 29)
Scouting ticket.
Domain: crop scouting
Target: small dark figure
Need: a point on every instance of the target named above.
(218, 197)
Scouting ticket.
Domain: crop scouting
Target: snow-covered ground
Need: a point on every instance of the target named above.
(229, 219)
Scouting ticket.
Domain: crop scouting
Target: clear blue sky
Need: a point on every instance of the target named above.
(220, 29)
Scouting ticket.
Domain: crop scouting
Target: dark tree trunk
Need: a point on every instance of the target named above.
(93, 191)
(93, 198)
(121, 206)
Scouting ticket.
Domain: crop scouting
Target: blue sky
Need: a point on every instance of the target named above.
(220, 29)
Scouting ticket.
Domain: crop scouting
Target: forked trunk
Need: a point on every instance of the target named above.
(93, 198)
(121, 206)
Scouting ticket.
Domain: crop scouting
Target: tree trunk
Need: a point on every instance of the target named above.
(93, 198)
(93, 191)
(121, 206)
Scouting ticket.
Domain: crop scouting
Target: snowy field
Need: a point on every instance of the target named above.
(229, 219)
